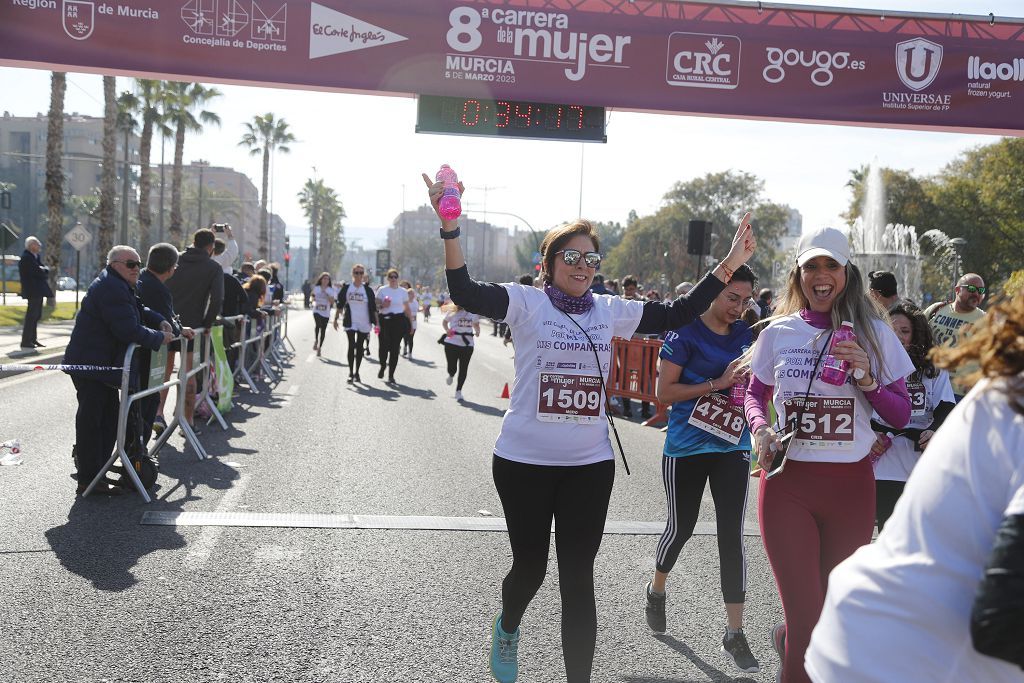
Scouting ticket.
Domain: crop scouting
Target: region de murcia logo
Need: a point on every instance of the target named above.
(918, 62)
(79, 18)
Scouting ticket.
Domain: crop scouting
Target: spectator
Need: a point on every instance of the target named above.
(613, 287)
(35, 286)
(950, 323)
(939, 596)
(153, 293)
(234, 305)
(198, 290)
(598, 286)
(278, 285)
(882, 288)
(247, 271)
(110, 319)
(683, 288)
(307, 291)
(227, 256)
(629, 287)
(764, 301)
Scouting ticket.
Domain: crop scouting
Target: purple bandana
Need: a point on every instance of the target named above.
(576, 305)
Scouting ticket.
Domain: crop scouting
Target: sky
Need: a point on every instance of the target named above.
(366, 148)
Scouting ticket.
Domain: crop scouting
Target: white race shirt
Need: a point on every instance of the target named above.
(461, 322)
(414, 309)
(925, 393)
(399, 297)
(900, 609)
(556, 413)
(321, 303)
(359, 309)
(839, 418)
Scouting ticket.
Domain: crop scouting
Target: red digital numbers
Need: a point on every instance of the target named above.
(576, 111)
(502, 115)
(524, 115)
(471, 113)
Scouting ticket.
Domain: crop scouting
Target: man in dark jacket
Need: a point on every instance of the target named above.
(111, 318)
(198, 290)
(160, 266)
(35, 285)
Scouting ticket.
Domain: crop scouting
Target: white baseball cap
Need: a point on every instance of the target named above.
(823, 242)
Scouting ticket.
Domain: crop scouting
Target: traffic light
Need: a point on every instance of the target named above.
(287, 243)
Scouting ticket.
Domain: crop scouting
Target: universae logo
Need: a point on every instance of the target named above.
(918, 62)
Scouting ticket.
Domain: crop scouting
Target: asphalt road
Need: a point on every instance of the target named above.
(88, 593)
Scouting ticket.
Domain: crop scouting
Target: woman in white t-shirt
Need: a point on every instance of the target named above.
(357, 307)
(460, 329)
(414, 308)
(553, 459)
(393, 307)
(938, 597)
(931, 400)
(324, 294)
(821, 508)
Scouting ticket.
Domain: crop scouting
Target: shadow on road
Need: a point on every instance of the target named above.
(682, 648)
(102, 540)
(484, 409)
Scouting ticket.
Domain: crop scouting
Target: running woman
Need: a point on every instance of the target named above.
(393, 304)
(707, 441)
(357, 306)
(931, 400)
(460, 327)
(553, 458)
(323, 301)
(414, 307)
(821, 508)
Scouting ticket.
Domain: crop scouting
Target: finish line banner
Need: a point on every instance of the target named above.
(748, 60)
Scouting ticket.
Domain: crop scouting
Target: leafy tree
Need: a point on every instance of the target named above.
(182, 100)
(264, 134)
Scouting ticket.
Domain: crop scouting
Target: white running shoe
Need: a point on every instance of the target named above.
(458, 395)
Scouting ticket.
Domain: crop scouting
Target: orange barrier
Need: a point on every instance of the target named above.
(635, 374)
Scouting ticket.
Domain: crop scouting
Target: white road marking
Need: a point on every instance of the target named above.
(199, 552)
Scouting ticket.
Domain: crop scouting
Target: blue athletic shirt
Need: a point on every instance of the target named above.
(702, 355)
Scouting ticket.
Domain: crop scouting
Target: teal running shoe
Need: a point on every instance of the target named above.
(504, 653)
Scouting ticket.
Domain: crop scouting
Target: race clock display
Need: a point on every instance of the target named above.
(510, 118)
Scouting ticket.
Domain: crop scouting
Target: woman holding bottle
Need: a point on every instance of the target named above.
(708, 441)
(821, 506)
(896, 451)
(553, 458)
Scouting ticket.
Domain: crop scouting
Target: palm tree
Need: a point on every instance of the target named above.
(55, 177)
(108, 178)
(182, 100)
(263, 135)
(332, 234)
(310, 198)
(150, 98)
(127, 105)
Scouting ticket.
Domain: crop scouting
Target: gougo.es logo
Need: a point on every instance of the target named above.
(822, 63)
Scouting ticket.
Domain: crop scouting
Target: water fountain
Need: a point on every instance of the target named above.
(886, 246)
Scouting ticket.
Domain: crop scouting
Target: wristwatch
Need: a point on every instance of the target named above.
(451, 234)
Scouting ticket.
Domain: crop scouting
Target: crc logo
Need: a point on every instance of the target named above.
(991, 71)
(918, 62)
(703, 60)
(821, 62)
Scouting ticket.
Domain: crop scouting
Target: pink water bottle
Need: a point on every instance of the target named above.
(450, 206)
(834, 371)
(738, 394)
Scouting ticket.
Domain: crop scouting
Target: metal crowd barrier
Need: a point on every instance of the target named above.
(635, 374)
(254, 349)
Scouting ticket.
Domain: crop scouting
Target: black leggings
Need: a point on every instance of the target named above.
(684, 479)
(458, 356)
(392, 329)
(355, 350)
(321, 329)
(886, 494)
(408, 339)
(577, 499)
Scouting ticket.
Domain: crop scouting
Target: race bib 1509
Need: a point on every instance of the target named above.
(569, 398)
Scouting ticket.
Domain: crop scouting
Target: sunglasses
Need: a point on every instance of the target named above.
(572, 256)
(392, 277)
(132, 265)
(973, 290)
(358, 272)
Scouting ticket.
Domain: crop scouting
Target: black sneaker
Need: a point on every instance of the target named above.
(735, 647)
(655, 610)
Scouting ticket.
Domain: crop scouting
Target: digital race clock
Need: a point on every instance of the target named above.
(510, 118)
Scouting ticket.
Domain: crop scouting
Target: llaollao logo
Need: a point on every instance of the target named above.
(918, 62)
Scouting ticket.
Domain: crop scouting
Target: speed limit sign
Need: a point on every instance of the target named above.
(78, 237)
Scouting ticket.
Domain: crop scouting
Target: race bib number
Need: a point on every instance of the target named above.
(715, 415)
(322, 308)
(826, 422)
(918, 398)
(569, 398)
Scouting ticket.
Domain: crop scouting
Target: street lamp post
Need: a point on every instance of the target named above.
(957, 244)
(200, 164)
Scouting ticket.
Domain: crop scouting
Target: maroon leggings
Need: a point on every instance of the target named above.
(813, 516)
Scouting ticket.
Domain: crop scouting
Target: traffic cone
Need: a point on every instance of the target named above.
(504, 392)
